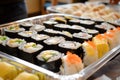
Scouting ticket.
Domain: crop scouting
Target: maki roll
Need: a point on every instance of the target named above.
(50, 24)
(59, 19)
(71, 64)
(29, 51)
(101, 44)
(26, 25)
(67, 35)
(3, 40)
(71, 46)
(26, 35)
(50, 59)
(68, 18)
(91, 53)
(12, 46)
(51, 32)
(87, 23)
(13, 30)
(61, 27)
(76, 28)
(38, 28)
(81, 37)
(52, 42)
(102, 28)
(38, 38)
(74, 22)
(91, 31)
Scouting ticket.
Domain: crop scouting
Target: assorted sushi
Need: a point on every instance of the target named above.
(50, 59)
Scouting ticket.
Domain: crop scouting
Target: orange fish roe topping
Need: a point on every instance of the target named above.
(73, 58)
(91, 43)
(100, 36)
(108, 35)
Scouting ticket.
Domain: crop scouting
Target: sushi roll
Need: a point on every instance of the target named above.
(91, 53)
(13, 30)
(59, 20)
(76, 28)
(67, 35)
(12, 46)
(71, 46)
(38, 38)
(37, 28)
(3, 40)
(26, 76)
(51, 32)
(68, 18)
(7, 71)
(102, 28)
(101, 44)
(26, 35)
(29, 51)
(52, 42)
(74, 22)
(50, 59)
(26, 25)
(91, 31)
(61, 27)
(71, 64)
(81, 37)
(50, 24)
(87, 24)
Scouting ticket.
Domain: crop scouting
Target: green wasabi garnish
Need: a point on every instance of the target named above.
(2, 38)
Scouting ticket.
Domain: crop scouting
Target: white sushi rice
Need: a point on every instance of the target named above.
(27, 33)
(82, 35)
(53, 58)
(70, 44)
(30, 49)
(62, 26)
(87, 22)
(50, 22)
(77, 27)
(54, 40)
(39, 37)
(52, 31)
(13, 43)
(37, 27)
(91, 31)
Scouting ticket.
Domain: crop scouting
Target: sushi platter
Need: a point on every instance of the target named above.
(54, 44)
(98, 10)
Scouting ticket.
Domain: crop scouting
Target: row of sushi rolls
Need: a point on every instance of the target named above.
(61, 44)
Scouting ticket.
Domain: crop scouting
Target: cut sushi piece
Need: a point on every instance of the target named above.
(26, 76)
(81, 37)
(26, 35)
(12, 46)
(29, 51)
(50, 24)
(91, 53)
(3, 40)
(71, 64)
(52, 42)
(26, 25)
(7, 71)
(59, 19)
(101, 44)
(12, 30)
(71, 46)
(50, 59)
(51, 32)
(91, 31)
(68, 18)
(67, 35)
(38, 38)
(75, 28)
(61, 27)
(87, 23)
(74, 22)
(38, 28)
